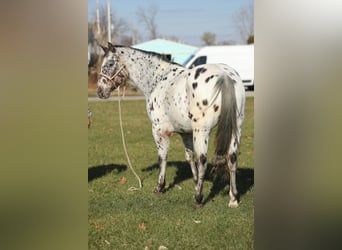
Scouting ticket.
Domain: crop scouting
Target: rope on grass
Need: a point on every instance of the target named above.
(124, 145)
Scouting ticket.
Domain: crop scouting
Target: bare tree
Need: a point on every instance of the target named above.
(209, 38)
(118, 28)
(148, 18)
(135, 34)
(172, 38)
(226, 42)
(244, 22)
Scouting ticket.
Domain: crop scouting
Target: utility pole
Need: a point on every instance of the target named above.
(98, 19)
(109, 23)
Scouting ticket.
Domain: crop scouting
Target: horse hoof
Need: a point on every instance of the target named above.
(233, 204)
(158, 190)
(198, 205)
(198, 198)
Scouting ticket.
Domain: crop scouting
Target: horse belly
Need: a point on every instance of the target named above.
(177, 107)
(179, 119)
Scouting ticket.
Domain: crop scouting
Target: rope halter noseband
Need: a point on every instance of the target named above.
(111, 79)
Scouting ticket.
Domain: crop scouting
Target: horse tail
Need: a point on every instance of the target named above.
(227, 124)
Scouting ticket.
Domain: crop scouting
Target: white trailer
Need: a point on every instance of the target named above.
(239, 57)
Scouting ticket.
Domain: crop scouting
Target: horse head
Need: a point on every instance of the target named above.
(113, 73)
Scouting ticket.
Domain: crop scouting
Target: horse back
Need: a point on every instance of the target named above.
(205, 98)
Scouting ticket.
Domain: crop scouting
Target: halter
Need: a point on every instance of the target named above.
(112, 78)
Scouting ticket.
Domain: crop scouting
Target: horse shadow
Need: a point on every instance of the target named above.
(101, 170)
(218, 177)
(183, 172)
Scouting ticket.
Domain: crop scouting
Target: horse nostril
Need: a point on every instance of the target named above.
(99, 93)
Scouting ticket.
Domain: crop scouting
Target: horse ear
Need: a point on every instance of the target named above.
(105, 50)
(111, 47)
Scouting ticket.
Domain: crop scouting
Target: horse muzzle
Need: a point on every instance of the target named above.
(103, 93)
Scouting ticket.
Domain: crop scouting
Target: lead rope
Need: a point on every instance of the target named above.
(124, 145)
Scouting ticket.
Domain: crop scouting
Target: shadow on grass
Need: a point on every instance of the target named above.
(244, 178)
(99, 171)
(183, 172)
(244, 182)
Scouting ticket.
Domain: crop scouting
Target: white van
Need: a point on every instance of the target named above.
(239, 57)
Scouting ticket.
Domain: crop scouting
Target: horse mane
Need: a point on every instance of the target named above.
(163, 57)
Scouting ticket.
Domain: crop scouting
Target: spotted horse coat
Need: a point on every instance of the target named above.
(190, 102)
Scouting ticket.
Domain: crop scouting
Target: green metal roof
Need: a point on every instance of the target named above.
(179, 52)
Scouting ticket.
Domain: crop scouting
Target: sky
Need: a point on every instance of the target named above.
(185, 19)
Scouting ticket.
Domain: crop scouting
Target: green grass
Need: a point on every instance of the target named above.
(121, 219)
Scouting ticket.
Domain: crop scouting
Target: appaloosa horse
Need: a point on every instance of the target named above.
(189, 102)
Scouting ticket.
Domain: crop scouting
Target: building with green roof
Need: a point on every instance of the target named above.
(179, 52)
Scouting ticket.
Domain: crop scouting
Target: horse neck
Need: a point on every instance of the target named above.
(144, 69)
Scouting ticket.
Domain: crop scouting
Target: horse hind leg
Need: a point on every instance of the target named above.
(200, 139)
(189, 155)
(232, 166)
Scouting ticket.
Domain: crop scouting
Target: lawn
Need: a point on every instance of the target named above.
(122, 219)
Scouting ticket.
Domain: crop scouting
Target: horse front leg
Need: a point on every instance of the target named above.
(200, 139)
(163, 142)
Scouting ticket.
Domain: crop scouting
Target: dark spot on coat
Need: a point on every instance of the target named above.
(199, 71)
(195, 120)
(216, 107)
(190, 115)
(203, 159)
(203, 114)
(151, 107)
(233, 158)
(205, 102)
(194, 85)
(209, 78)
